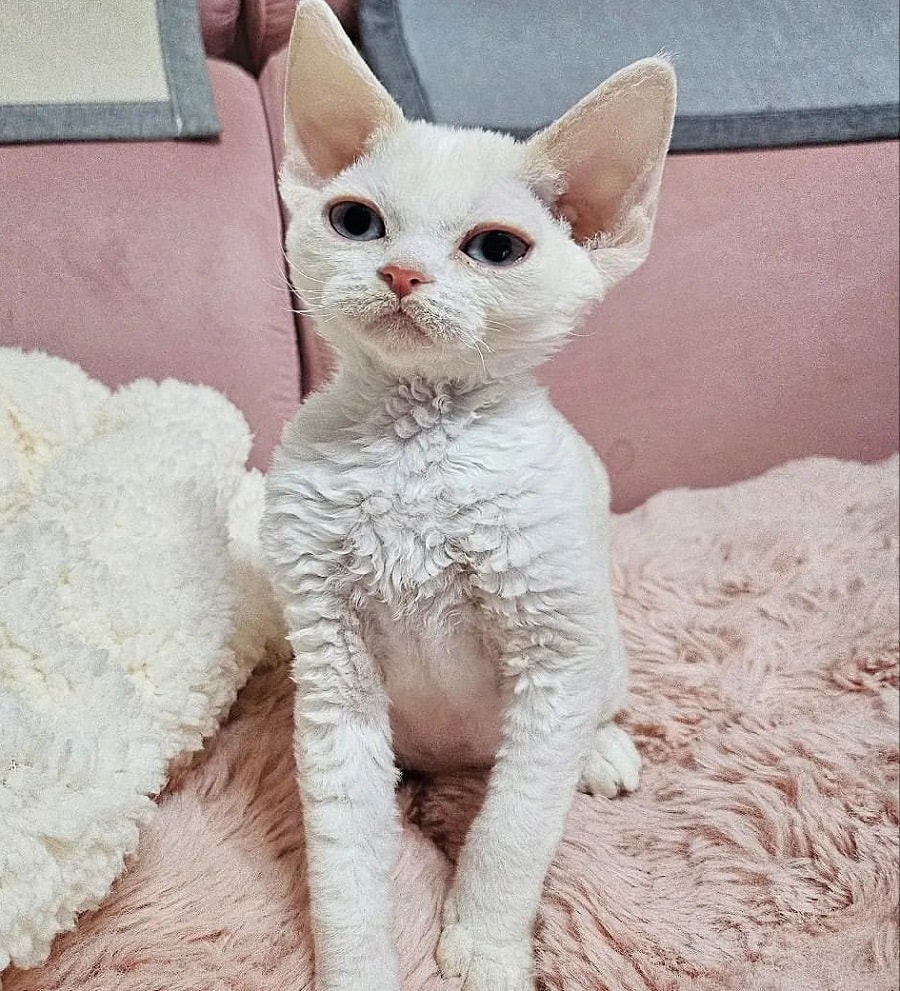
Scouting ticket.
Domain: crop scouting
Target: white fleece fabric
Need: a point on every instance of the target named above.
(131, 611)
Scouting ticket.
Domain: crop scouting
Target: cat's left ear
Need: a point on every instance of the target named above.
(606, 156)
(332, 103)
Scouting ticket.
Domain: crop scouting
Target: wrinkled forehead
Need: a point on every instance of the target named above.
(432, 176)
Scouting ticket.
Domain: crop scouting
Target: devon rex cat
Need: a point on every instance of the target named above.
(437, 530)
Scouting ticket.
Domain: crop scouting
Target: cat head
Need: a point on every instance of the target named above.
(450, 252)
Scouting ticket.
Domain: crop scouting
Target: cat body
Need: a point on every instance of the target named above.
(437, 531)
(436, 545)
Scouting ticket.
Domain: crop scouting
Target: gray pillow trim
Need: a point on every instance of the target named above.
(189, 113)
(193, 109)
(384, 47)
(389, 57)
(776, 128)
(787, 128)
(34, 122)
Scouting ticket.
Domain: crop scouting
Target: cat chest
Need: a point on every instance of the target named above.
(443, 681)
(436, 539)
(411, 545)
(411, 559)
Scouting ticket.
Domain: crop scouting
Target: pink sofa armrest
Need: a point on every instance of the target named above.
(218, 23)
(269, 24)
(762, 328)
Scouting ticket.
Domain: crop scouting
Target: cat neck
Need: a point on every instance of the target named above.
(412, 403)
(464, 389)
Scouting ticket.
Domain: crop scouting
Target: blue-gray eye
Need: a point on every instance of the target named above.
(496, 247)
(356, 221)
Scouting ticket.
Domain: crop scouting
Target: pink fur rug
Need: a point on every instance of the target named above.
(760, 853)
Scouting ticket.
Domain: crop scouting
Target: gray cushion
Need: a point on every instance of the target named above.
(751, 74)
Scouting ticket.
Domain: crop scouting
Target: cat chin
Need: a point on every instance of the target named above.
(397, 330)
(394, 341)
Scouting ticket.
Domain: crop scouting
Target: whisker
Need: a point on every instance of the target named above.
(481, 356)
(311, 308)
(308, 292)
(305, 311)
(311, 278)
(286, 287)
(320, 314)
(499, 325)
(318, 318)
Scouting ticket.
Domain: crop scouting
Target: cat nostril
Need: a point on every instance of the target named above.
(402, 280)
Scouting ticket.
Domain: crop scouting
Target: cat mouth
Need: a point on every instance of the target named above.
(399, 327)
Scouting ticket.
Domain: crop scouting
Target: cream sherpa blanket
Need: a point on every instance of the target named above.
(131, 611)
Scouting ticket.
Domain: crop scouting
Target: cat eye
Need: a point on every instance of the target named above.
(356, 221)
(496, 247)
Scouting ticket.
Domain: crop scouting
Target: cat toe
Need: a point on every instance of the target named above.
(484, 966)
(614, 765)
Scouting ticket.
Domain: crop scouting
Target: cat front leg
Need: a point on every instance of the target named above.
(346, 775)
(489, 913)
(613, 765)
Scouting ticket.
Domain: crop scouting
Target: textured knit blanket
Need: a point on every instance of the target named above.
(131, 611)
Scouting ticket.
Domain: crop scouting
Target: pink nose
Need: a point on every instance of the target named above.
(402, 280)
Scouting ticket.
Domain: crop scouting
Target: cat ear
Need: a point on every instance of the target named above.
(333, 103)
(606, 156)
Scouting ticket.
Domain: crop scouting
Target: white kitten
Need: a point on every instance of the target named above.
(437, 530)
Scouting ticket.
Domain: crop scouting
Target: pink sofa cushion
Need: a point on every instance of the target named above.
(157, 259)
(763, 326)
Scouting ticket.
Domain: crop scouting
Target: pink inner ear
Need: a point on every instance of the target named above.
(609, 149)
(597, 198)
(588, 217)
(568, 211)
(332, 149)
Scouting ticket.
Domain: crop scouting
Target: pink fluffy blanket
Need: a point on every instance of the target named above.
(760, 852)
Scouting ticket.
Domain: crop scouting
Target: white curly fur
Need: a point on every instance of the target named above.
(437, 530)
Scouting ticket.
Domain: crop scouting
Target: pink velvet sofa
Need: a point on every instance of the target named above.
(763, 327)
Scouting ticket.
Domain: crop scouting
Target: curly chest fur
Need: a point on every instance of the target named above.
(416, 551)
(431, 544)
(420, 510)
(422, 522)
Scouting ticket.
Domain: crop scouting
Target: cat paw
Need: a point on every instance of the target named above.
(466, 951)
(373, 982)
(484, 966)
(614, 765)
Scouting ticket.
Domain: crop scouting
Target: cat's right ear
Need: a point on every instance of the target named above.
(606, 156)
(332, 102)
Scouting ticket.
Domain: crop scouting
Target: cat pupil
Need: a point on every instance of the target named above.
(357, 219)
(496, 246)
